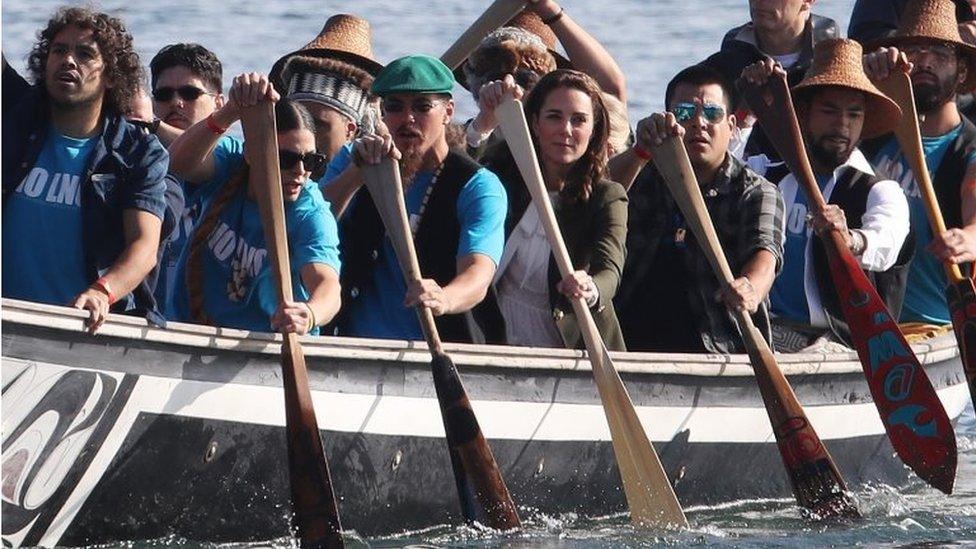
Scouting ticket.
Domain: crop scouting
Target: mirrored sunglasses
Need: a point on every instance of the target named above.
(186, 93)
(686, 111)
(313, 162)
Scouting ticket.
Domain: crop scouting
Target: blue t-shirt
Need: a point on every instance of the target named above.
(337, 165)
(788, 298)
(227, 152)
(925, 291)
(238, 285)
(42, 229)
(481, 209)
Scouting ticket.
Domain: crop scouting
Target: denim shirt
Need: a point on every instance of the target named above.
(126, 170)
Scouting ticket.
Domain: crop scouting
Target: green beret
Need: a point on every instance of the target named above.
(414, 74)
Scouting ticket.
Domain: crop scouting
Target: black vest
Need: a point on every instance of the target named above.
(851, 194)
(436, 241)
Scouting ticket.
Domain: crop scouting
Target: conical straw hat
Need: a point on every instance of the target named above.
(933, 21)
(837, 62)
(345, 38)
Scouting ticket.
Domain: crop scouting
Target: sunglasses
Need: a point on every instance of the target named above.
(186, 93)
(418, 107)
(686, 111)
(289, 159)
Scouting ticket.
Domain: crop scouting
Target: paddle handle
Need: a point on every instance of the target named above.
(497, 14)
(384, 184)
(898, 86)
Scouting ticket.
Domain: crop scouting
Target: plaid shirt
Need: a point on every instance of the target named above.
(749, 216)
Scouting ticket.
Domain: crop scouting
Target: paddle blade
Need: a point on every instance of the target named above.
(497, 14)
(910, 409)
(476, 473)
(962, 305)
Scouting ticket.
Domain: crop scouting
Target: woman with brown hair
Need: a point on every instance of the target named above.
(570, 128)
(226, 265)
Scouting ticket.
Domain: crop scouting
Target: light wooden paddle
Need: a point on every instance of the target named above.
(960, 293)
(817, 482)
(475, 471)
(911, 412)
(497, 14)
(649, 493)
(312, 497)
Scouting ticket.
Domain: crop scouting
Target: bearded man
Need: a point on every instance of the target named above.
(940, 65)
(456, 208)
(836, 106)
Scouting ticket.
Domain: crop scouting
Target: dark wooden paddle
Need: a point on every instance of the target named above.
(817, 483)
(910, 409)
(649, 493)
(475, 472)
(960, 293)
(312, 497)
(497, 14)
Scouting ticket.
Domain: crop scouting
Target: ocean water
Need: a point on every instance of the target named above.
(651, 40)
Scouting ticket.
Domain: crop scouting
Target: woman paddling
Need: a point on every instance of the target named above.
(569, 127)
(226, 264)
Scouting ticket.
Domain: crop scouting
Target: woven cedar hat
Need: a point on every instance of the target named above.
(837, 62)
(343, 37)
(933, 21)
(525, 21)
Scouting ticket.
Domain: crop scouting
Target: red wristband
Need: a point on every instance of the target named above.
(102, 285)
(212, 126)
(641, 152)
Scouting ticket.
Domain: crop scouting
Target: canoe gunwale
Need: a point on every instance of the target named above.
(466, 356)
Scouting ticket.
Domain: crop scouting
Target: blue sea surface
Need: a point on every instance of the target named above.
(651, 40)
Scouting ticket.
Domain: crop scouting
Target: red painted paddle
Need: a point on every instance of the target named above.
(960, 294)
(910, 409)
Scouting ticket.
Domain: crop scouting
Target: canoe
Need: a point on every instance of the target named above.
(141, 433)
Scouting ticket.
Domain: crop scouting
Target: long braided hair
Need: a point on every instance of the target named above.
(588, 170)
(289, 116)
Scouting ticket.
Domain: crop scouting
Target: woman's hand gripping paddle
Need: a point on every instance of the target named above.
(497, 14)
(960, 294)
(312, 497)
(475, 471)
(817, 483)
(649, 493)
(910, 409)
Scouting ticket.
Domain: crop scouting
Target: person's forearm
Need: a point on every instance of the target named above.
(132, 267)
(191, 154)
(624, 167)
(468, 288)
(167, 134)
(325, 301)
(339, 191)
(761, 272)
(589, 56)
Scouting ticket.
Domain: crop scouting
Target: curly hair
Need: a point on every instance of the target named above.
(122, 66)
(588, 170)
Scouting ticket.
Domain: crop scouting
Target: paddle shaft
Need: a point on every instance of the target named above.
(313, 498)
(898, 86)
(649, 493)
(909, 407)
(817, 482)
(497, 14)
(476, 473)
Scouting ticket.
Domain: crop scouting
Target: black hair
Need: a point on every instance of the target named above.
(292, 115)
(700, 75)
(198, 59)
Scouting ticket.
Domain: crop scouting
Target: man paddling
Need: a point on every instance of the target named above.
(456, 209)
(928, 45)
(836, 105)
(83, 188)
(669, 299)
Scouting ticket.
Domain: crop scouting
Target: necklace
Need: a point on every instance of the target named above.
(417, 217)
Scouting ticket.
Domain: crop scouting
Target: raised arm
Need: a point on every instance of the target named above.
(585, 52)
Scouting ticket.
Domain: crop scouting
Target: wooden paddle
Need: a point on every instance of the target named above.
(910, 409)
(960, 293)
(312, 497)
(497, 14)
(475, 472)
(649, 493)
(817, 483)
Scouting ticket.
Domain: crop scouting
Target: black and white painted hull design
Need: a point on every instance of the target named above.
(139, 433)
